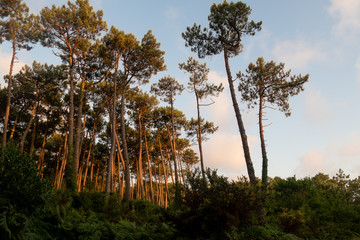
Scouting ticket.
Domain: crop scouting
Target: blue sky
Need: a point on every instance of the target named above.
(315, 37)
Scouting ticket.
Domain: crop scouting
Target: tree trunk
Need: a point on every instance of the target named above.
(122, 162)
(89, 154)
(264, 176)
(33, 136)
(165, 173)
(63, 163)
(125, 150)
(149, 167)
(23, 138)
(141, 178)
(72, 167)
(42, 153)
(78, 126)
(14, 127)
(7, 112)
(110, 176)
(199, 131)
(249, 164)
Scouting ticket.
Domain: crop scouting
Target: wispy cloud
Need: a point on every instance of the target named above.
(351, 148)
(344, 154)
(317, 108)
(347, 13)
(312, 163)
(297, 54)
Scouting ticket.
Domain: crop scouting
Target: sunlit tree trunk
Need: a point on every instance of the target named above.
(246, 149)
(149, 167)
(140, 167)
(7, 111)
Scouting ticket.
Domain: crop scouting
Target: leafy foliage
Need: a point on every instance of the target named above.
(20, 180)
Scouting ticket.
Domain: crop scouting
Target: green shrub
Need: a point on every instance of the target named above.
(21, 182)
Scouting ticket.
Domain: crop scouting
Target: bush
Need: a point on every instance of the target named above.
(212, 210)
(21, 182)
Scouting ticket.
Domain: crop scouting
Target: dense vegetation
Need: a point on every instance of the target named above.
(87, 153)
(311, 208)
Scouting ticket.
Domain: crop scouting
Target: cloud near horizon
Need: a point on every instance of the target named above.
(312, 163)
(344, 154)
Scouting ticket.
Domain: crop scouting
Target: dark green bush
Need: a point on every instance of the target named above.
(21, 182)
(212, 210)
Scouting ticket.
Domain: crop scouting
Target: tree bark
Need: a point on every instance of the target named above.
(78, 126)
(246, 149)
(23, 138)
(165, 173)
(125, 150)
(199, 134)
(149, 167)
(7, 112)
(140, 170)
(264, 176)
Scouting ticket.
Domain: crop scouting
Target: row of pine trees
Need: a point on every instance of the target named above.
(89, 124)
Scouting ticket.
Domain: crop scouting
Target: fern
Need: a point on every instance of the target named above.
(4, 223)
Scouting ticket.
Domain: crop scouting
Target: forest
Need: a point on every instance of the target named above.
(87, 153)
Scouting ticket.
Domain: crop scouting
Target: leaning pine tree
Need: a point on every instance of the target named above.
(228, 22)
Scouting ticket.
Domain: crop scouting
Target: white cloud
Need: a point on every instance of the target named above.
(317, 107)
(347, 14)
(224, 152)
(351, 148)
(221, 111)
(297, 54)
(339, 154)
(312, 163)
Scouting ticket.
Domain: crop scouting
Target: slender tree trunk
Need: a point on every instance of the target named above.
(165, 172)
(125, 150)
(122, 162)
(97, 175)
(57, 165)
(118, 170)
(78, 126)
(72, 167)
(249, 164)
(111, 159)
(63, 164)
(181, 169)
(33, 135)
(23, 138)
(264, 177)
(42, 153)
(7, 112)
(88, 157)
(149, 167)
(169, 159)
(141, 178)
(199, 135)
(14, 127)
